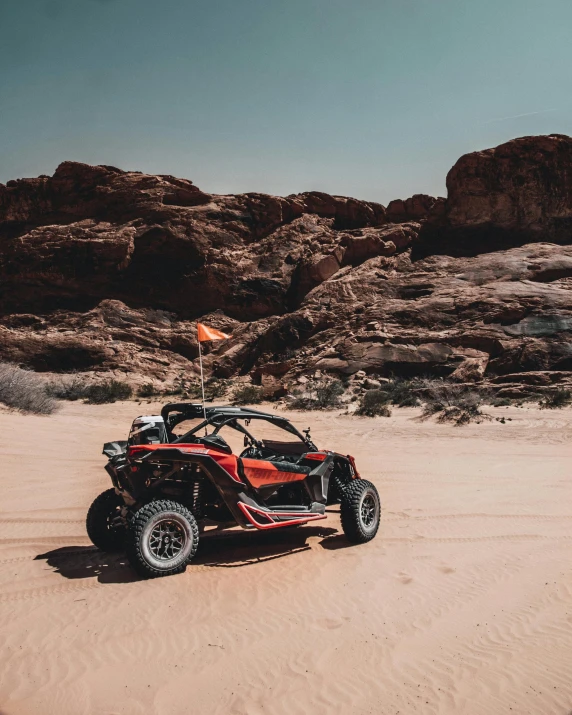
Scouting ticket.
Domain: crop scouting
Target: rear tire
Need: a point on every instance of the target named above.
(360, 511)
(163, 537)
(99, 522)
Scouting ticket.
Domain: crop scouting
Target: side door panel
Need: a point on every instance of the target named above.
(261, 473)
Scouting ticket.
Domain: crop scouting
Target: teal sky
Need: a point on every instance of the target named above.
(368, 98)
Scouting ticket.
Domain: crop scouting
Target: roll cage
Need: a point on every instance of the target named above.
(219, 417)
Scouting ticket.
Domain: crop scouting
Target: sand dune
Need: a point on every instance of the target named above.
(460, 605)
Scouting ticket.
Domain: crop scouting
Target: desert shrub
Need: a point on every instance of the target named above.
(174, 390)
(328, 394)
(67, 388)
(25, 391)
(324, 395)
(454, 403)
(108, 391)
(193, 390)
(148, 389)
(248, 395)
(556, 399)
(403, 392)
(373, 403)
(216, 388)
(75, 388)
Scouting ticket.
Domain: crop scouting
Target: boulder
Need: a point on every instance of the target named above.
(516, 193)
(416, 208)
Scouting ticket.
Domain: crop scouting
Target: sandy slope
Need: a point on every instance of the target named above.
(461, 605)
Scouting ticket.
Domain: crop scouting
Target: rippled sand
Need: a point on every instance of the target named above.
(462, 604)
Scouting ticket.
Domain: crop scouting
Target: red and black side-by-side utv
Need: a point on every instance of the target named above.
(169, 484)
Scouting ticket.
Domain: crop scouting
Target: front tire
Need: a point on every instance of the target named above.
(360, 511)
(163, 537)
(103, 523)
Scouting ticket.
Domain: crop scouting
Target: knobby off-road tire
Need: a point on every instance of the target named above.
(162, 538)
(99, 522)
(360, 511)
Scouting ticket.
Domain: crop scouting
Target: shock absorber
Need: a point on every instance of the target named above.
(197, 499)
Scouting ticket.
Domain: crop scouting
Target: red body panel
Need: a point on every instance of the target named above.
(261, 473)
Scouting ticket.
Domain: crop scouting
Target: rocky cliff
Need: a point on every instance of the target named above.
(105, 270)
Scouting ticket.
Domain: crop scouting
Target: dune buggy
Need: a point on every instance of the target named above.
(170, 482)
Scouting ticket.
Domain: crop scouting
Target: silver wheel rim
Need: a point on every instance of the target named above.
(167, 540)
(369, 510)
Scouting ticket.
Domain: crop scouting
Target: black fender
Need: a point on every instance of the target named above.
(318, 481)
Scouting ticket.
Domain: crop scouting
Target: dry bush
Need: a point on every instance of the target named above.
(25, 391)
(108, 391)
(454, 403)
(374, 403)
(216, 388)
(75, 388)
(403, 392)
(148, 389)
(68, 388)
(248, 395)
(324, 395)
(556, 399)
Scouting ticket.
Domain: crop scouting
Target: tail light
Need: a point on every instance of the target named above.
(138, 451)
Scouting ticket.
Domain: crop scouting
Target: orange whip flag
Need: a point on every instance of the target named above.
(204, 333)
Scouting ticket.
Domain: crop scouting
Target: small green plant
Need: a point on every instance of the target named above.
(556, 399)
(108, 391)
(248, 395)
(373, 403)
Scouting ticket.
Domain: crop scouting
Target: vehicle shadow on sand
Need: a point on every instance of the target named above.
(229, 549)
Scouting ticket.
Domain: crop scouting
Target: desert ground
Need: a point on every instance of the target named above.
(462, 604)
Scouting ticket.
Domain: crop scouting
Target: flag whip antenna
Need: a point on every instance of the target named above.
(206, 333)
(202, 383)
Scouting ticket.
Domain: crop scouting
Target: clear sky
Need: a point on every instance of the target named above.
(368, 98)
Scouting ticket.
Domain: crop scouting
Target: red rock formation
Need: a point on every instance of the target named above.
(90, 233)
(103, 270)
(517, 193)
(416, 208)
